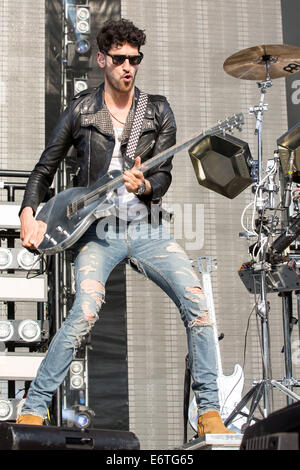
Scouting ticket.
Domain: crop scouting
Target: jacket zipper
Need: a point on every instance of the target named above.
(89, 161)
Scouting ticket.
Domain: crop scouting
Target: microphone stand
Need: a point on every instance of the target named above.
(262, 308)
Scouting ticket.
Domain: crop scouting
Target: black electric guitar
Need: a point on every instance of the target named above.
(70, 213)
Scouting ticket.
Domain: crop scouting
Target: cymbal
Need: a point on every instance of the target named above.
(250, 64)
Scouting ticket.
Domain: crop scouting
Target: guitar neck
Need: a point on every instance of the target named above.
(233, 122)
(163, 156)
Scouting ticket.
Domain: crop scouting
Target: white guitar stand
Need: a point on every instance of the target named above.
(230, 387)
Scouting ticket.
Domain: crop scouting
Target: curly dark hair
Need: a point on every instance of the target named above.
(118, 33)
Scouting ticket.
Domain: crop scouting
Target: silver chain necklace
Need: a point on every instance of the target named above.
(123, 123)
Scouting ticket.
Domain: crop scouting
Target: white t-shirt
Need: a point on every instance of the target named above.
(128, 205)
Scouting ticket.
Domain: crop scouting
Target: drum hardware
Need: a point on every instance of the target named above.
(285, 280)
(286, 238)
(261, 276)
(259, 62)
(289, 152)
(280, 277)
(222, 163)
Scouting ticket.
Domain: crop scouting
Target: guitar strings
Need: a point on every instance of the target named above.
(235, 121)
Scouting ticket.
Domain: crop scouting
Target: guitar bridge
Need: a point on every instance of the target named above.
(74, 207)
(70, 210)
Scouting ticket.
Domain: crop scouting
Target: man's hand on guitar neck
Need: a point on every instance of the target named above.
(133, 178)
(32, 231)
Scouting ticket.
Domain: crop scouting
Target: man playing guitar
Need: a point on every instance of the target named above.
(98, 123)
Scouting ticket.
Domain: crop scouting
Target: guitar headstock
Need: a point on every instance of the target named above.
(228, 125)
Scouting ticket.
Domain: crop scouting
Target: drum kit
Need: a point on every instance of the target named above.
(272, 268)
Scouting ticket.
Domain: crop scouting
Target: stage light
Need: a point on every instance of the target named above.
(77, 381)
(83, 420)
(16, 258)
(222, 163)
(79, 85)
(6, 330)
(20, 331)
(5, 258)
(82, 20)
(76, 367)
(82, 46)
(29, 330)
(80, 416)
(26, 259)
(83, 13)
(83, 416)
(83, 27)
(79, 49)
(79, 44)
(6, 410)
(9, 409)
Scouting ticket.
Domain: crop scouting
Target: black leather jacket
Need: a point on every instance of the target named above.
(86, 125)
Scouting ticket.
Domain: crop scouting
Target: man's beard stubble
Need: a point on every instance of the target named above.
(120, 85)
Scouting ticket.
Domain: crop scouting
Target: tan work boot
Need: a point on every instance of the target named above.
(30, 419)
(211, 423)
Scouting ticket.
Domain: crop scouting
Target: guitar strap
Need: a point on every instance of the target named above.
(135, 130)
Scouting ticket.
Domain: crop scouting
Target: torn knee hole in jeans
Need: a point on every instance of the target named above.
(201, 321)
(197, 294)
(87, 269)
(89, 314)
(96, 291)
(90, 286)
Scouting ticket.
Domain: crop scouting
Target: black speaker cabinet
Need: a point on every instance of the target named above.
(222, 163)
(279, 431)
(26, 437)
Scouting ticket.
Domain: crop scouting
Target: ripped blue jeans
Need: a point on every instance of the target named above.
(153, 252)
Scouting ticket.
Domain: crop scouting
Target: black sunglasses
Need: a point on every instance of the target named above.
(118, 59)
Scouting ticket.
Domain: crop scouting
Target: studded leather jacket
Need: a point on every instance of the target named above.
(87, 126)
